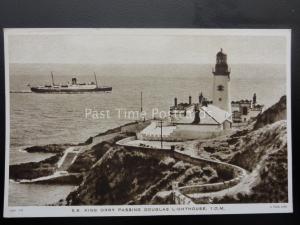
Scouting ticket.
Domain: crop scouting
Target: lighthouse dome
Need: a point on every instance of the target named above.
(221, 67)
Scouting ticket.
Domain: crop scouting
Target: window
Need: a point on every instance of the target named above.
(220, 88)
(245, 110)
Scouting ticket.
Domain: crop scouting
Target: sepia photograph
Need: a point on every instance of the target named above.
(118, 122)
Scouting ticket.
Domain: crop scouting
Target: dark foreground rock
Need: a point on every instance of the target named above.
(131, 177)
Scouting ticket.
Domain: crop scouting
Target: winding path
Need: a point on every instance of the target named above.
(194, 194)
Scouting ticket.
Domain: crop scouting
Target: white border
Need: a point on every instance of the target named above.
(141, 210)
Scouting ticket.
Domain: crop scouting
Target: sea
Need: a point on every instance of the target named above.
(40, 119)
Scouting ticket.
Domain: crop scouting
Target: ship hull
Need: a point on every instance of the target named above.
(69, 90)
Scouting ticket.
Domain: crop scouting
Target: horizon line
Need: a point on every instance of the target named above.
(96, 64)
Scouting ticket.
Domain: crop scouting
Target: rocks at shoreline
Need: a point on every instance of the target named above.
(51, 148)
(83, 163)
(33, 170)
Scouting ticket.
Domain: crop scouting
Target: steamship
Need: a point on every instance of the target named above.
(73, 87)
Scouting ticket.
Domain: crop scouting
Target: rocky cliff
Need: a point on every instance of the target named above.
(33, 170)
(261, 149)
(274, 113)
(119, 176)
(132, 177)
(264, 154)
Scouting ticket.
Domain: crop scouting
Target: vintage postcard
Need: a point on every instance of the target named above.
(125, 122)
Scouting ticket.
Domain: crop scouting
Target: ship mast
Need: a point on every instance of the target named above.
(52, 78)
(96, 80)
(141, 101)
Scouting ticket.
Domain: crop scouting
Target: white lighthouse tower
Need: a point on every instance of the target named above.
(221, 86)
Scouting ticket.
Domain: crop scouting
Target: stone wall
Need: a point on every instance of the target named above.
(186, 132)
(180, 193)
(181, 199)
(237, 174)
(154, 152)
(135, 127)
(191, 132)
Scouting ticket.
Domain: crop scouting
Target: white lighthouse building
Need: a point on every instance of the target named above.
(203, 119)
(221, 83)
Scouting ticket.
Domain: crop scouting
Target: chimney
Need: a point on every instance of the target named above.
(200, 98)
(254, 99)
(190, 100)
(204, 102)
(74, 80)
(175, 102)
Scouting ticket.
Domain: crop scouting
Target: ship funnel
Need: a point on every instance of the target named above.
(52, 78)
(74, 80)
(190, 100)
(175, 102)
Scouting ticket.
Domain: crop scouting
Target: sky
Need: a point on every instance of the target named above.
(145, 46)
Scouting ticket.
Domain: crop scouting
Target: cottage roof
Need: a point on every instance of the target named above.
(219, 115)
(213, 115)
